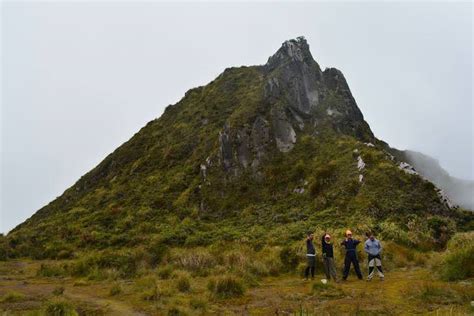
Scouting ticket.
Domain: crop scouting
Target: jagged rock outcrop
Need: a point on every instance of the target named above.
(297, 95)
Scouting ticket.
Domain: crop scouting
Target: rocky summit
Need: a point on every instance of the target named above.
(260, 153)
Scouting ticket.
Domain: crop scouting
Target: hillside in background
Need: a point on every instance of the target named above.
(277, 149)
(205, 209)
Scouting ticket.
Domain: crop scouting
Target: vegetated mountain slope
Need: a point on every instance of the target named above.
(460, 191)
(260, 152)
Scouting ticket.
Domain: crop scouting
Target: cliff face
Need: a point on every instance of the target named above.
(259, 150)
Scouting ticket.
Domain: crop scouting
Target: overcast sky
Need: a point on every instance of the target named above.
(79, 79)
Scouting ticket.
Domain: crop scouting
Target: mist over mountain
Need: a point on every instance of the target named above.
(460, 191)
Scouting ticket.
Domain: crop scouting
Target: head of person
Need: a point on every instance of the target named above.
(310, 236)
(348, 234)
(327, 238)
(371, 236)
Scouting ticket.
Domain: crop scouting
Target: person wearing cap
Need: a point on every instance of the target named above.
(373, 248)
(328, 257)
(310, 256)
(351, 255)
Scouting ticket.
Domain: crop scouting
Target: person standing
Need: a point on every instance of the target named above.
(328, 257)
(373, 248)
(351, 255)
(310, 256)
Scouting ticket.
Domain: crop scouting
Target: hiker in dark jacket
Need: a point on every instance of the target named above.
(351, 255)
(328, 257)
(373, 248)
(310, 256)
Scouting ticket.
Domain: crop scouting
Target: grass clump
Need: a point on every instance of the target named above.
(59, 308)
(147, 288)
(116, 289)
(436, 294)
(226, 287)
(50, 270)
(183, 284)
(174, 311)
(12, 297)
(198, 304)
(327, 290)
(165, 272)
(59, 290)
(198, 262)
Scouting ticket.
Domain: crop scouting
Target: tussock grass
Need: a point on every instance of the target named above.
(13, 297)
(183, 284)
(116, 289)
(226, 287)
(197, 261)
(51, 270)
(438, 294)
(59, 308)
(458, 261)
(327, 290)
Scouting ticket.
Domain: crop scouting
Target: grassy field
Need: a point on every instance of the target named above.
(414, 289)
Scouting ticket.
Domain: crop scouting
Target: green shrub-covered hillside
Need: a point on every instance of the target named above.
(259, 156)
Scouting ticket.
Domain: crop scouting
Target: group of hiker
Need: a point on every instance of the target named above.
(372, 247)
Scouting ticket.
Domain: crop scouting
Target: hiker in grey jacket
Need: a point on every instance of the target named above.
(373, 248)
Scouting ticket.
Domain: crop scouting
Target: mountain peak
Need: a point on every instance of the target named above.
(293, 50)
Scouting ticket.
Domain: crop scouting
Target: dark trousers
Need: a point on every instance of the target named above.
(351, 257)
(310, 266)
